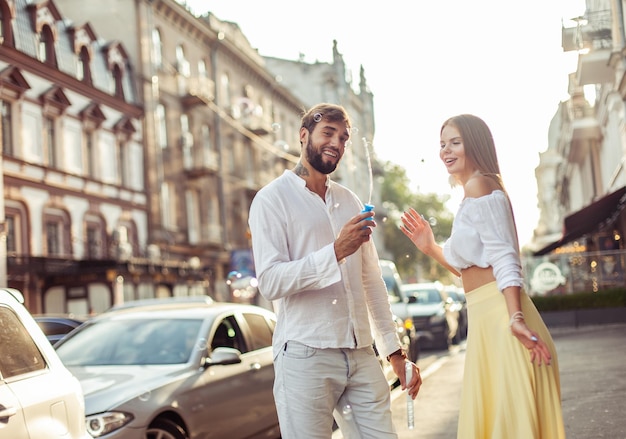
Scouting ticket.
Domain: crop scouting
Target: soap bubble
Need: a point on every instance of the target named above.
(275, 127)
(346, 412)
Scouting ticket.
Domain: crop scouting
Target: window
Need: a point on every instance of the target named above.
(193, 216)
(161, 125)
(123, 158)
(11, 235)
(57, 241)
(50, 139)
(167, 208)
(6, 113)
(184, 70)
(46, 46)
(202, 73)
(53, 238)
(225, 90)
(90, 154)
(228, 335)
(116, 62)
(118, 77)
(84, 66)
(92, 247)
(20, 354)
(260, 331)
(6, 29)
(157, 49)
(17, 236)
(210, 158)
(186, 141)
(182, 64)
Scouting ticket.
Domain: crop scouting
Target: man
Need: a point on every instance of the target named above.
(314, 257)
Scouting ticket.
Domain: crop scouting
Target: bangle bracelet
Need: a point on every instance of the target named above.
(517, 316)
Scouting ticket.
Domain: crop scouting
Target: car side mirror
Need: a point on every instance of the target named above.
(223, 356)
(411, 299)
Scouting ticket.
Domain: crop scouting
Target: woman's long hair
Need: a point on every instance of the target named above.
(480, 149)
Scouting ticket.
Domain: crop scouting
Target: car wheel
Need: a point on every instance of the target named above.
(165, 429)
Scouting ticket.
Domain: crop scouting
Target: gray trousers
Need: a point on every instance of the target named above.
(313, 385)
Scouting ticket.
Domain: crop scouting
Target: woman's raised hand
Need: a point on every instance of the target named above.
(417, 229)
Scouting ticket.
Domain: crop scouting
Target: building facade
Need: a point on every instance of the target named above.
(73, 185)
(579, 241)
(134, 140)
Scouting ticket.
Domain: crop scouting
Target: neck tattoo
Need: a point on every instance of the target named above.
(300, 170)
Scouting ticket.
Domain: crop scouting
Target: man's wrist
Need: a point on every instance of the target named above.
(399, 352)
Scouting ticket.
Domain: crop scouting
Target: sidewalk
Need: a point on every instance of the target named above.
(592, 364)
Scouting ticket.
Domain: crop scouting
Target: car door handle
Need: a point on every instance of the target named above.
(6, 413)
(255, 366)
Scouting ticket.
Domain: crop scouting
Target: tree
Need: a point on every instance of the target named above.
(397, 198)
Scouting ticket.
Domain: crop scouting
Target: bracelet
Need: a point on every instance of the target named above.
(517, 316)
(398, 352)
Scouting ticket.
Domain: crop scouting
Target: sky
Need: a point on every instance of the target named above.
(427, 61)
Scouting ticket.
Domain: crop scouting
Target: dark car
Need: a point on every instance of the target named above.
(175, 369)
(57, 327)
(399, 302)
(435, 315)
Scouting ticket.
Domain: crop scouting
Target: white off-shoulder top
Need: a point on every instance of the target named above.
(483, 234)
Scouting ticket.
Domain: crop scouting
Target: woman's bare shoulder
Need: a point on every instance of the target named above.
(480, 185)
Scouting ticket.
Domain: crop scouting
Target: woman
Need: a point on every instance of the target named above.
(511, 387)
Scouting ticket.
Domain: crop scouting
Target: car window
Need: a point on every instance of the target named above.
(20, 354)
(228, 335)
(132, 341)
(54, 328)
(261, 333)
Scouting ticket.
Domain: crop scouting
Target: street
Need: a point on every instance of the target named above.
(593, 384)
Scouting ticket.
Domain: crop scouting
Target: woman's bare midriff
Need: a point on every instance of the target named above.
(475, 277)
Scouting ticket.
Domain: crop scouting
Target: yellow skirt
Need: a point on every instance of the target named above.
(504, 395)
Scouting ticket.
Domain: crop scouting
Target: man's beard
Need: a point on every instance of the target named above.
(316, 160)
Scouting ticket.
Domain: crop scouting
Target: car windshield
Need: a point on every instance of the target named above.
(132, 342)
(425, 296)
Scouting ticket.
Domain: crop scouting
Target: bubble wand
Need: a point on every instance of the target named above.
(368, 206)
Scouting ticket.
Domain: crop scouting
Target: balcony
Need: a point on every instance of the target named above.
(200, 91)
(592, 37)
(594, 68)
(200, 161)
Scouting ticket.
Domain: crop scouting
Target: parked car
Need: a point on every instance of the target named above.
(458, 295)
(39, 397)
(435, 315)
(399, 302)
(175, 369)
(55, 327)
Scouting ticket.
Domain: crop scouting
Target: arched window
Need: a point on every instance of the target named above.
(84, 65)
(46, 46)
(157, 48)
(117, 60)
(6, 29)
(118, 77)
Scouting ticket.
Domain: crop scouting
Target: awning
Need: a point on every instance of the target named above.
(592, 218)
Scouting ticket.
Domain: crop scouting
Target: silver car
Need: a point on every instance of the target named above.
(39, 397)
(176, 369)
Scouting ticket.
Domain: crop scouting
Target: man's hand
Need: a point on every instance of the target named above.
(354, 233)
(398, 365)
